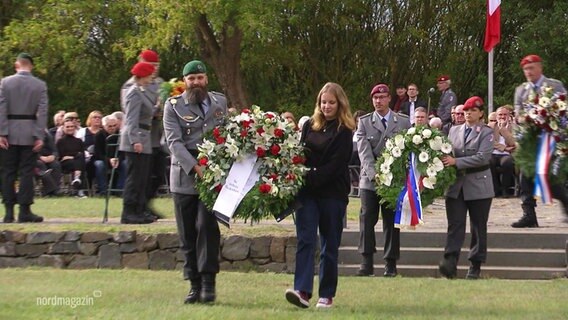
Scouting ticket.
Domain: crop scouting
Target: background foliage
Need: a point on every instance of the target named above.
(278, 54)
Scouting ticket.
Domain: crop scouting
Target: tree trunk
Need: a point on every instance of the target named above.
(224, 54)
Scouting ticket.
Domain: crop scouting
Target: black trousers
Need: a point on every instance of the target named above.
(18, 161)
(199, 234)
(134, 194)
(503, 173)
(456, 212)
(368, 218)
(156, 174)
(528, 202)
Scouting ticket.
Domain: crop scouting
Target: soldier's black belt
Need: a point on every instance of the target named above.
(22, 117)
(463, 172)
(144, 126)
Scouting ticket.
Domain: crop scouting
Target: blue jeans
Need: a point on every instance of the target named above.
(328, 215)
(101, 171)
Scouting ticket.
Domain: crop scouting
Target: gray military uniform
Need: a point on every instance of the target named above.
(371, 137)
(185, 125)
(448, 99)
(472, 192)
(139, 111)
(522, 92)
(23, 108)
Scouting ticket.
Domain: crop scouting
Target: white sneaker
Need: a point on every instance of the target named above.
(76, 183)
(324, 303)
(81, 194)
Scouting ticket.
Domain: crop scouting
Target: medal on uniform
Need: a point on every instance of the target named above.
(187, 118)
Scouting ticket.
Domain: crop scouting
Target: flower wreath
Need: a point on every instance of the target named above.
(392, 166)
(277, 146)
(543, 113)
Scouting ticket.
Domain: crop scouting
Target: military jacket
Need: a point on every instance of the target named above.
(184, 128)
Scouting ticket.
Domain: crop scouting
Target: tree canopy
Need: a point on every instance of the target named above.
(278, 54)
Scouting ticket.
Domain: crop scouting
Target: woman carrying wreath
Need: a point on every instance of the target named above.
(472, 191)
(324, 197)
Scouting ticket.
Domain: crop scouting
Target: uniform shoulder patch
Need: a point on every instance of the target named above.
(365, 115)
(174, 99)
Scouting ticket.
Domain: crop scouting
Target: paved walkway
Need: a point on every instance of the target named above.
(503, 213)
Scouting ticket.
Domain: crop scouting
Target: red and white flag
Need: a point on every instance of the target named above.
(493, 25)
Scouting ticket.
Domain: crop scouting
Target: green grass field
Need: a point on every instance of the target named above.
(134, 294)
(86, 215)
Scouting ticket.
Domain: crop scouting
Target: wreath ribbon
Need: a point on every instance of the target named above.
(545, 150)
(408, 211)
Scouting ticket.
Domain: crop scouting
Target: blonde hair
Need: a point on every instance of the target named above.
(91, 115)
(344, 116)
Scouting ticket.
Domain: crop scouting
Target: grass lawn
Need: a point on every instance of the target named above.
(86, 215)
(135, 294)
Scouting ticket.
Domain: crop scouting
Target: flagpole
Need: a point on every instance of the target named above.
(490, 82)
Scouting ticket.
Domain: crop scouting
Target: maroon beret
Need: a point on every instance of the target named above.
(444, 77)
(149, 56)
(473, 102)
(380, 88)
(142, 69)
(530, 59)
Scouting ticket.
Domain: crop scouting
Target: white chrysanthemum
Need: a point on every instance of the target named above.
(435, 144)
(429, 182)
(423, 156)
(446, 148)
(411, 131)
(438, 164)
(385, 167)
(561, 105)
(544, 101)
(389, 144)
(417, 139)
(396, 152)
(431, 171)
(553, 125)
(399, 141)
(427, 133)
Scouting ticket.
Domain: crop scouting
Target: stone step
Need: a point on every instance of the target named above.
(498, 257)
(532, 273)
(530, 239)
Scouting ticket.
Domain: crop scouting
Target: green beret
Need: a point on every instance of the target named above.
(194, 66)
(26, 56)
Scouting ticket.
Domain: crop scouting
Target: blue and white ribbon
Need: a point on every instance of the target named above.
(545, 150)
(408, 211)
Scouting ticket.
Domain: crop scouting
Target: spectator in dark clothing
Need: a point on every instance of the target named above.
(48, 167)
(72, 154)
(105, 157)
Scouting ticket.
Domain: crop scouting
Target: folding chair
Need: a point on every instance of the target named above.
(112, 143)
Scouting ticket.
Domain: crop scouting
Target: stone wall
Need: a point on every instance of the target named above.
(128, 249)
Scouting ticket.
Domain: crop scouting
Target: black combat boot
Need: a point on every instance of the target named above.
(207, 288)
(9, 216)
(366, 268)
(194, 291)
(449, 267)
(474, 271)
(390, 268)
(26, 215)
(528, 220)
(131, 216)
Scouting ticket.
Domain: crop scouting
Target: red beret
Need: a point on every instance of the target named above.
(149, 56)
(380, 88)
(142, 69)
(473, 102)
(444, 77)
(530, 59)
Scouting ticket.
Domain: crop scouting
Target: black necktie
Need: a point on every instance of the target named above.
(384, 121)
(467, 132)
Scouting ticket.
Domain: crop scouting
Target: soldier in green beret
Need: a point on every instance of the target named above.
(187, 117)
